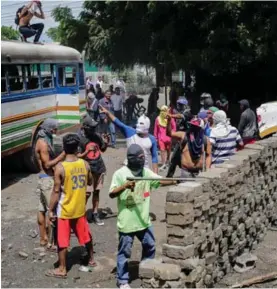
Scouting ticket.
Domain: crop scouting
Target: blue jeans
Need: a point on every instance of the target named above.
(147, 239)
(112, 132)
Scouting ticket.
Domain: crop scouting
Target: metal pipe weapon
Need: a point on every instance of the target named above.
(160, 179)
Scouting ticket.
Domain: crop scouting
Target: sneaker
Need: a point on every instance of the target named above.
(126, 285)
(97, 220)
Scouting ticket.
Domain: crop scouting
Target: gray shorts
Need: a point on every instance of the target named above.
(44, 189)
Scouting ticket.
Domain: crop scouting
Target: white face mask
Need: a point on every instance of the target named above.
(34, 8)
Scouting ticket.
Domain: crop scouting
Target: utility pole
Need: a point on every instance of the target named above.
(165, 84)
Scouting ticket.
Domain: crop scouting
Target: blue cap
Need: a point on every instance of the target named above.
(203, 114)
(182, 100)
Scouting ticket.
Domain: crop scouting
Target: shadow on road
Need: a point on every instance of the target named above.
(12, 170)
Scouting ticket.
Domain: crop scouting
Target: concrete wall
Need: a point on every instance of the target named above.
(211, 221)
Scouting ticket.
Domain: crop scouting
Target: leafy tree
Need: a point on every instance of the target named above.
(54, 34)
(8, 33)
(226, 44)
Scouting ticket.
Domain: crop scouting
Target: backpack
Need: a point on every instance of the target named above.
(16, 20)
(177, 153)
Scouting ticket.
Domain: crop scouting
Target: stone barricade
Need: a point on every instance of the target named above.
(212, 221)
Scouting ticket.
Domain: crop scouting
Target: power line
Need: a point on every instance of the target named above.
(3, 17)
(45, 5)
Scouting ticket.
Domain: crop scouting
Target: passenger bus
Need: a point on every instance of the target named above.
(38, 82)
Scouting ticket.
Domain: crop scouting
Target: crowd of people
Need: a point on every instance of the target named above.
(67, 181)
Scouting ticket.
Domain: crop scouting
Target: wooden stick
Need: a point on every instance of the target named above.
(255, 280)
(160, 179)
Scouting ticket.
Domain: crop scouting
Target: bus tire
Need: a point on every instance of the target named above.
(30, 160)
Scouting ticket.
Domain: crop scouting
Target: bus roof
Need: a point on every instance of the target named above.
(19, 52)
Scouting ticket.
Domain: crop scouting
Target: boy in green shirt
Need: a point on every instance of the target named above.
(133, 202)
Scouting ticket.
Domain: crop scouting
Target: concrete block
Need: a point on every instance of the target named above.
(146, 268)
(252, 154)
(245, 262)
(179, 231)
(180, 220)
(178, 252)
(249, 223)
(183, 194)
(210, 258)
(208, 281)
(173, 284)
(179, 208)
(167, 272)
(201, 200)
(214, 173)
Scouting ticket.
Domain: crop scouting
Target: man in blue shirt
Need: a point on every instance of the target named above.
(106, 125)
(139, 135)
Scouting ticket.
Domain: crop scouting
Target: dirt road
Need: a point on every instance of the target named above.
(19, 208)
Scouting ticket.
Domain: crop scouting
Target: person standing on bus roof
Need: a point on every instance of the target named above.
(25, 15)
(47, 161)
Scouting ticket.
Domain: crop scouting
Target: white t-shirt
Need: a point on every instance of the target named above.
(100, 83)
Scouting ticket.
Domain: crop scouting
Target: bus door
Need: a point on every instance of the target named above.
(67, 101)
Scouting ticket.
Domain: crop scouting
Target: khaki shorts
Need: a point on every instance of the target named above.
(98, 181)
(44, 189)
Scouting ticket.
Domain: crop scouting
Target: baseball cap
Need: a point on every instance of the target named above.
(203, 114)
(213, 109)
(89, 122)
(197, 122)
(182, 100)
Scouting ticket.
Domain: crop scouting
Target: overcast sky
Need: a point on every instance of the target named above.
(9, 8)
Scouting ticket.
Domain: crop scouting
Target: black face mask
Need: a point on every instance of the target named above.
(135, 164)
(136, 159)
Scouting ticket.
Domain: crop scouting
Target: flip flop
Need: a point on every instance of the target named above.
(51, 248)
(53, 273)
(92, 264)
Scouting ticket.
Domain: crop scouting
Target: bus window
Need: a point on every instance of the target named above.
(4, 87)
(61, 76)
(81, 75)
(67, 76)
(15, 73)
(32, 76)
(46, 71)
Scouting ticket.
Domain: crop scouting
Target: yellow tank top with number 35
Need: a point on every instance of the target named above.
(72, 203)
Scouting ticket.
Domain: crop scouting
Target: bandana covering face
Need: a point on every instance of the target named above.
(135, 159)
(162, 117)
(46, 132)
(196, 138)
(47, 128)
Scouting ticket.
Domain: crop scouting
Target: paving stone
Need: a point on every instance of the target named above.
(177, 208)
(210, 258)
(167, 272)
(146, 268)
(178, 252)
